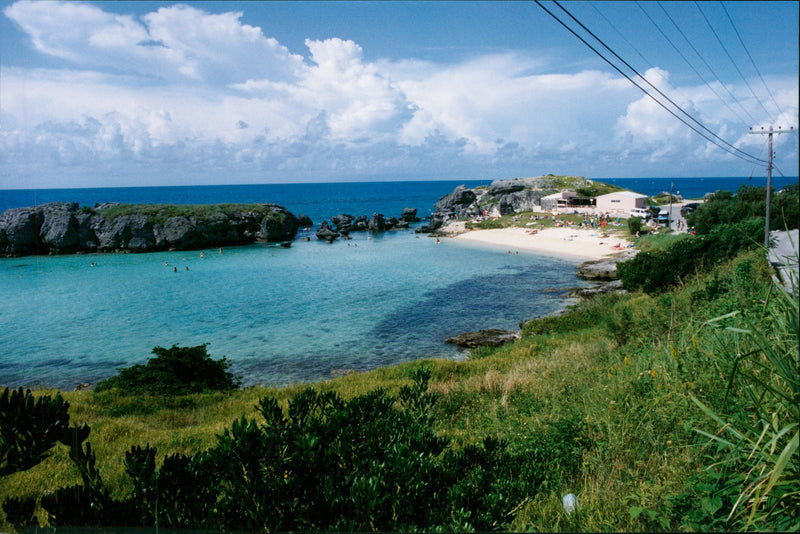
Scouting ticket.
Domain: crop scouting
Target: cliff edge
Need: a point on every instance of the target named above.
(64, 227)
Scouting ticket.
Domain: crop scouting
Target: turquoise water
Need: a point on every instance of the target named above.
(280, 315)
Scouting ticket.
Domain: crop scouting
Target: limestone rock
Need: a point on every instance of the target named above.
(588, 292)
(409, 215)
(493, 337)
(605, 268)
(326, 233)
(65, 227)
(377, 223)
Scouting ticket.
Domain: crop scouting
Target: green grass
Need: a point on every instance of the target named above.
(641, 372)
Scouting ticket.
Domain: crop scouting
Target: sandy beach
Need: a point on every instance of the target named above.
(564, 242)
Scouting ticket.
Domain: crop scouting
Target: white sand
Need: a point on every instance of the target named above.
(564, 242)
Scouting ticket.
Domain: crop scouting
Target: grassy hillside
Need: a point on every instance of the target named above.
(646, 382)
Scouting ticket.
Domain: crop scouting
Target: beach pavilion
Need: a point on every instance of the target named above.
(620, 202)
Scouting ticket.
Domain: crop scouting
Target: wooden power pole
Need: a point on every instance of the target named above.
(769, 172)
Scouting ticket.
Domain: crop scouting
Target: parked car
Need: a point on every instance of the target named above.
(663, 218)
(689, 208)
(642, 213)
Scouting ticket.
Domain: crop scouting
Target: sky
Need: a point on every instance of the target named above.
(107, 94)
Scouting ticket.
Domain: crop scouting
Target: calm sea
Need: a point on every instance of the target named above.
(279, 315)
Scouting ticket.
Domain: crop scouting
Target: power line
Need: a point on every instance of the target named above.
(780, 111)
(725, 49)
(689, 116)
(709, 67)
(685, 59)
(725, 146)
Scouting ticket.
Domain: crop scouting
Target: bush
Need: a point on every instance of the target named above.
(749, 201)
(175, 371)
(373, 463)
(658, 270)
(634, 225)
(29, 428)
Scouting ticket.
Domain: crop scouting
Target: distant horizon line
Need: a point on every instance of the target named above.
(385, 181)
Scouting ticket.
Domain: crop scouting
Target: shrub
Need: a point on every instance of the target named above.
(29, 428)
(749, 201)
(657, 270)
(175, 371)
(634, 225)
(372, 463)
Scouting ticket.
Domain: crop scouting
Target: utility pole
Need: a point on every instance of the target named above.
(769, 172)
(669, 215)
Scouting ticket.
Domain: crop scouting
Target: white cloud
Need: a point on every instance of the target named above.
(202, 93)
(177, 43)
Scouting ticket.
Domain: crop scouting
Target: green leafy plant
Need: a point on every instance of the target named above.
(757, 443)
(29, 427)
(634, 225)
(373, 462)
(174, 371)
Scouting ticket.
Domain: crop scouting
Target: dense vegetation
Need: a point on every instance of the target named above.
(724, 207)
(174, 371)
(674, 408)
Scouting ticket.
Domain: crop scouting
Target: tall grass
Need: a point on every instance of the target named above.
(757, 443)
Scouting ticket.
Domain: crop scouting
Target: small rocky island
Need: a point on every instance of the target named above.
(504, 197)
(64, 227)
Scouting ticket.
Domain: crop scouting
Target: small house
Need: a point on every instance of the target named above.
(565, 200)
(620, 202)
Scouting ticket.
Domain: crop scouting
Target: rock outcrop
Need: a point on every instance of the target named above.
(64, 227)
(604, 269)
(502, 197)
(326, 233)
(341, 225)
(492, 337)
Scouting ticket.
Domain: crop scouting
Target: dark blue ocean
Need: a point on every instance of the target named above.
(280, 316)
(320, 201)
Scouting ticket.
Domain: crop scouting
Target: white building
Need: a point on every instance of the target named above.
(557, 200)
(620, 202)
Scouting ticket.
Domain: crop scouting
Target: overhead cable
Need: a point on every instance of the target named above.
(709, 67)
(725, 49)
(685, 59)
(714, 139)
(780, 111)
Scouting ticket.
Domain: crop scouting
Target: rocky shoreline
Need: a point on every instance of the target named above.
(65, 228)
(343, 224)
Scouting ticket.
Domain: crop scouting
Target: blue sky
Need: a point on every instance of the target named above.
(102, 94)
